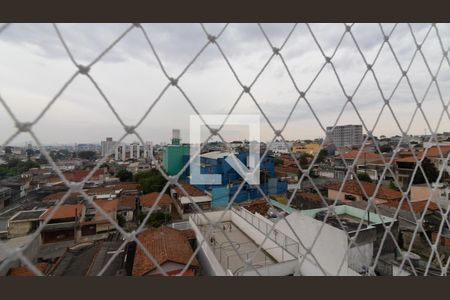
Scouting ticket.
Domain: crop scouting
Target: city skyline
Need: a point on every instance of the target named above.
(37, 66)
(168, 140)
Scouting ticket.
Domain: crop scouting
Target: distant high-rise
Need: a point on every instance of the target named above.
(176, 136)
(107, 146)
(175, 154)
(346, 135)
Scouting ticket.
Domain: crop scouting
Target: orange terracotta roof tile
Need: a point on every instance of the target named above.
(106, 205)
(189, 234)
(417, 206)
(59, 195)
(410, 159)
(54, 179)
(149, 199)
(363, 155)
(165, 244)
(101, 190)
(125, 186)
(127, 201)
(25, 271)
(190, 189)
(64, 211)
(434, 151)
(79, 175)
(352, 187)
(378, 162)
(310, 196)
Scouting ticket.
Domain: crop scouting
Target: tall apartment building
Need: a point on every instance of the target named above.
(346, 135)
(107, 146)
(133, 151)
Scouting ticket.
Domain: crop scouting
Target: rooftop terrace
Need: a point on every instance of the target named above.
(244, 247)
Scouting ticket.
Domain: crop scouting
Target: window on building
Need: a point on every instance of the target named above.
(349, 197)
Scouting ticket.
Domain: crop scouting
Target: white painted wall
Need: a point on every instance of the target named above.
(330, 248)
(206, 254)
(396, 271)
(308, 266)
(258, 237)
(167, 267)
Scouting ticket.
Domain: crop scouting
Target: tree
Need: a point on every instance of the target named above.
(322, 155)
(89, 155)
(6, 172)
(393, 186)
(278, 161)
(125, 175)
(363, 176)
(156, 219)
(386, 148)
(8, 150)
(42, 160)
(16, 167)
(305, 159)
(150, 181)
(431, 172)
(30, 152)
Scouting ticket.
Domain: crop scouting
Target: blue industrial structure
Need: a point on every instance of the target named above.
(215, 163)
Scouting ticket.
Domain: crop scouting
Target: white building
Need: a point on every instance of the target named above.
(107, 146)
(280, 146)
(281, 253)
(346, 135)
(121, 152)
(133, 151)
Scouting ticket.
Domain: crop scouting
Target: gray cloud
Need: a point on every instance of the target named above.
(35, 66)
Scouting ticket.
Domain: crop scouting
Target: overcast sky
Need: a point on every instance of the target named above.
(34, 66)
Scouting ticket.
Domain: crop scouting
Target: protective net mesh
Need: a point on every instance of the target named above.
(369, 53)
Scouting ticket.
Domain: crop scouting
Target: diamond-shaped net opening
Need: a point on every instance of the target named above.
(370, 198)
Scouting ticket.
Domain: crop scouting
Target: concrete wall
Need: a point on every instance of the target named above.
(164, 208)
(280, 269)
(396, 271)
(167, 267)
(212, 216)
(332, 194)
(330, 248)
(105, 227)
(30, 252)
(258, 237)
(126, 214)
(420, 192)
(360, 257)
(207, 258)
(16, 229)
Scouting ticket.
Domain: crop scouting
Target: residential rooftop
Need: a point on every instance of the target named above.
(215, 154)
(353, 187)
(25, 271)
(64, 211)
(27, 215)
(149, 199)
(190, 190)
(165, 244)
